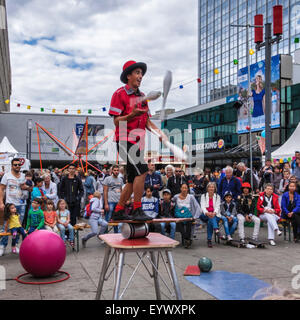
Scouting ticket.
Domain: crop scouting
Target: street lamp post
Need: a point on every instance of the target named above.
(29, 130)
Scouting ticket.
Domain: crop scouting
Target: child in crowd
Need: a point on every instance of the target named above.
(50, 217)
(150, 203)
(150, 207)
(63, 221)
(13, 225)
(35, 220)
(166, 210)
(228, 215)
(96, 218)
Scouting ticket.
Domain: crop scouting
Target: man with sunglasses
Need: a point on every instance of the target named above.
(11, 187)
(175, 182)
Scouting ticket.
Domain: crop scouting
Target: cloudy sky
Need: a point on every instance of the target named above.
(70, 53)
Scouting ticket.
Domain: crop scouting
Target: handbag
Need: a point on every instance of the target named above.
(182, 212)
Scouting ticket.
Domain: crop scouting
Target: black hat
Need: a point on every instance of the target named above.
(129, 66)
(227, 193)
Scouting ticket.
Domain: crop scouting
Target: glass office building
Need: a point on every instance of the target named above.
(220, 44)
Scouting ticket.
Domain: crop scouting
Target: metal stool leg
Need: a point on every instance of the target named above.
(174, 275)
(119, 275)
(155, 276)
(103, 272)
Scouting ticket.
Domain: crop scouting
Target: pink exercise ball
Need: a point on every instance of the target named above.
(42, 253)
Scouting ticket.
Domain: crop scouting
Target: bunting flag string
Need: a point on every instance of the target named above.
(88, 109)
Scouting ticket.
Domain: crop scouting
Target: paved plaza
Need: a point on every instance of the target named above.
(272, 264)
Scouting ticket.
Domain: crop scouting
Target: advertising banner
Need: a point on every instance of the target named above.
(257, 100)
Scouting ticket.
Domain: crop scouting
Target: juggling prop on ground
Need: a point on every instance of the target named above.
(42, 254)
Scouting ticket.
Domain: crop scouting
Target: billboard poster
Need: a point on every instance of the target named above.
(257, 99)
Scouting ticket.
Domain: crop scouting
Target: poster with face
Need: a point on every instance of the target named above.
(257, 96)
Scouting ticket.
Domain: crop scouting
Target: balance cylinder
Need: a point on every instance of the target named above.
(134, 230)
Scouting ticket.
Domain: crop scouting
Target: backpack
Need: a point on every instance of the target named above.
(183, 212)
(87, 211)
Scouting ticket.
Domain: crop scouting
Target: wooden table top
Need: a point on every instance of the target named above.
(153, 240)
(166, 220)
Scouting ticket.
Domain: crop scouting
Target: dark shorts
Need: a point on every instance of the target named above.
(134, 158)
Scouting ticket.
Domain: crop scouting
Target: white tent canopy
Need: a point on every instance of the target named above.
(287, 150)
(6, 147)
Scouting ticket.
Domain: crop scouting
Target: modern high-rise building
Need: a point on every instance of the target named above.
(220, 44)
(5, 69)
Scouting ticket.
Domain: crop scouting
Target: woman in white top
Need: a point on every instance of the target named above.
(210, 205)
(50, 189)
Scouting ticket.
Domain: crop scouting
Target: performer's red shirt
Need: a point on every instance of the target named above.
(122, 103)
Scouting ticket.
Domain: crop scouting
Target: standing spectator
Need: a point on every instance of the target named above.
(153, 179)
(89, 184)
(296, 171)
(72, 191)
(266, 174)
(11, 186)
(245, 174)
(290, 205)
(122, 173)
(199, 187)
(99, 183)
(293, 165)
(55, 176)
(170, 170)
(112, 188)
(164, 178)
(37, 191)
(277, 177)
(27, 195)
(229, 183)
(186, 206)
(287, 166)
(268, 210)
(284, 183)
(49, 189)
(210, 206)
(245, 210)
(175, 182)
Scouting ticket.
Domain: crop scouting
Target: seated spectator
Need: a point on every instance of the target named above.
(50, 217)
(245, 210)
(63, 221)
(210, 206)
(293, 179)
(35, 220)
(228, 215)
(186, 206)
(97, 218)
(268, 210)
(166, 210)
(13, 225)
(150, 203)
(290, 206)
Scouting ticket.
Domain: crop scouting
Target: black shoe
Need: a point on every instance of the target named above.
(120, 215)
(209, 243)
(139, 215)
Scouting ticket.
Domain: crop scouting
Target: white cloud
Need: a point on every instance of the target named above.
(102, 35)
